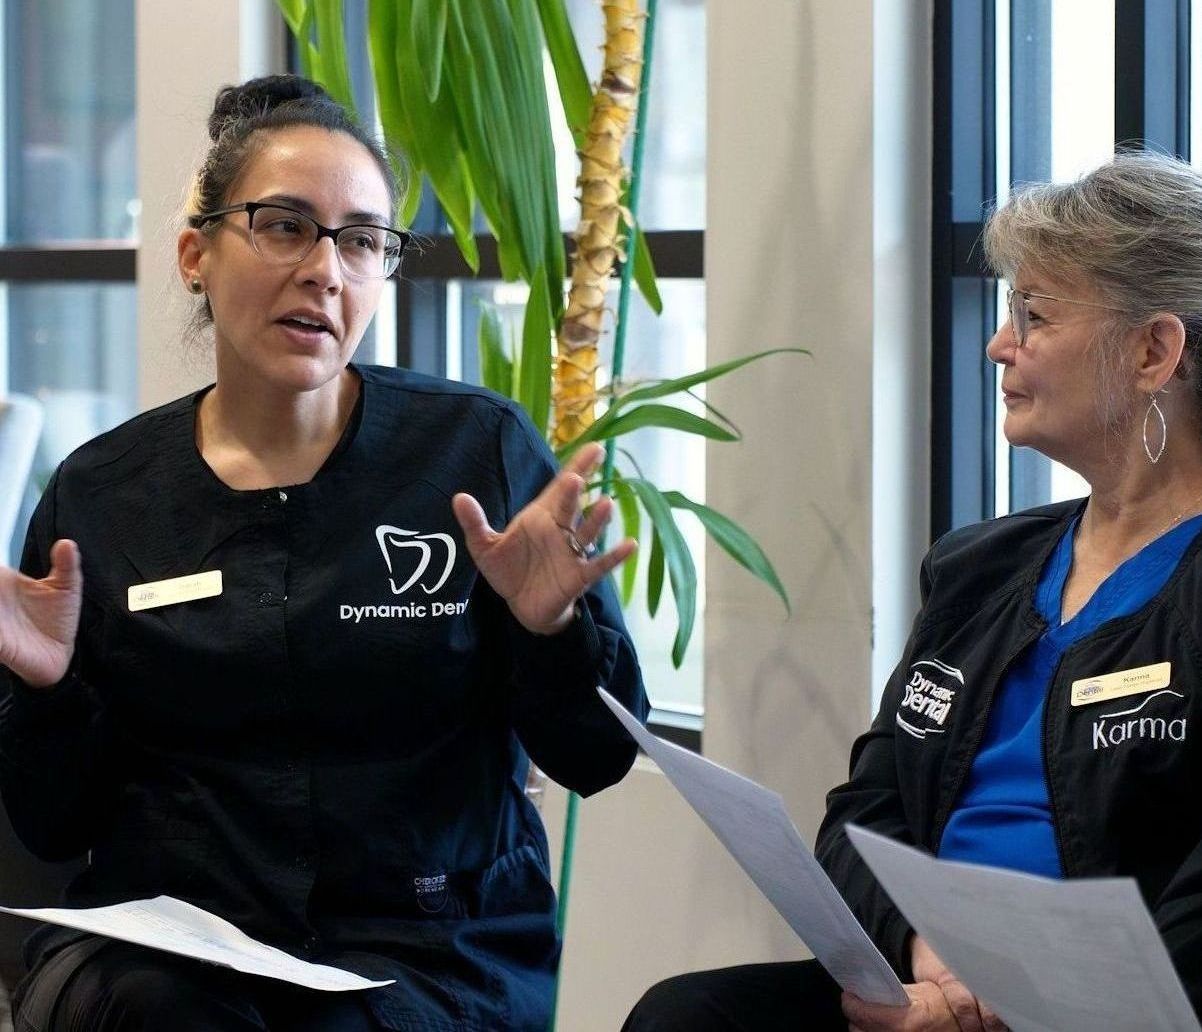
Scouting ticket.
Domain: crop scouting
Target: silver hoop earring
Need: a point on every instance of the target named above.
(1164, 431)
(196, 286)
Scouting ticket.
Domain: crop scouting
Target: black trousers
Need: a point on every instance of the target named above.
(753, 998)
(101, 985)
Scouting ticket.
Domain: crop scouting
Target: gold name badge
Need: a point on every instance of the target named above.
(173, 591)
(1135, 681)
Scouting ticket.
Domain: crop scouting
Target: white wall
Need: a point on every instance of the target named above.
(817, 237)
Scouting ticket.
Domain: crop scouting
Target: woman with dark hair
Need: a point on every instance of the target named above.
(267, 654)
(1043, 715)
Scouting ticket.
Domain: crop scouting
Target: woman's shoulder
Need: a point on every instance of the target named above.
(441, 405)
(1017, 532)
(972, 562)
(391, 380)
(131, 443)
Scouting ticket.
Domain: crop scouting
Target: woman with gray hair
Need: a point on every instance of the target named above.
(1002, 736)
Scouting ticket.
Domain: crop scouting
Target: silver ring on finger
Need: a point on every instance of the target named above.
(579, 550)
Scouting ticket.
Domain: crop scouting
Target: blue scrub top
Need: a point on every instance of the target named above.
(1003, 817)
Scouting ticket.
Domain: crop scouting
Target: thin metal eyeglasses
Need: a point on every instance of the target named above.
(284, 236)
(1018, 302)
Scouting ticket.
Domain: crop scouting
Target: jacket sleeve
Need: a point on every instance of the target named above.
(554, 706)
(871, 798)
(55, 775)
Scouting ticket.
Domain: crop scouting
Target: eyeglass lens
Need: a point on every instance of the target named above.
(1017, 303)
(286, 237)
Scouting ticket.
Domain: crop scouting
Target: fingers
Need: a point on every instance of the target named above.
(928, 1011)
(963, 1005)
(584, 461)
(595, 519)
(65, 568)
(600, 565)
(991, 1021)
(562, 495)
(477, 534)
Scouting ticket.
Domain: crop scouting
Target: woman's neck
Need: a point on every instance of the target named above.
(1136, 502)
(257, 437)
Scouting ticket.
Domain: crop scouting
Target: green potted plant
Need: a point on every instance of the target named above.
(460, 93)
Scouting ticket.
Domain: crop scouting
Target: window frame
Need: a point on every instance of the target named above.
(1152, 109)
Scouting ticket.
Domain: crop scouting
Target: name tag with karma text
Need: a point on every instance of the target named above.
(1135, 681)
(175, 590)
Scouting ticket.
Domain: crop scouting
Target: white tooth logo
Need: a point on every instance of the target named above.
(396, 537)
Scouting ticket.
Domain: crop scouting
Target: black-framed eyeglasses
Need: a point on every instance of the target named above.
(1018, 305)
(284, 236)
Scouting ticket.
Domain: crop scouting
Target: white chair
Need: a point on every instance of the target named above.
(20, 429)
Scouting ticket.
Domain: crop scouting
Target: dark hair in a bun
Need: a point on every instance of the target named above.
(263, 105)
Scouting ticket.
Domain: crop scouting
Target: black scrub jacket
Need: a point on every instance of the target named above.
(331, 753)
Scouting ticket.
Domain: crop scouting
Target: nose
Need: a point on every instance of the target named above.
(322, 267)
(1002, 345)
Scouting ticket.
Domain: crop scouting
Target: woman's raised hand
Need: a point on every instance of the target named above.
(38, 618)
(542, 562)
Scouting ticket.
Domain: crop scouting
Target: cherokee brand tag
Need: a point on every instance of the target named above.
(1135, 681)
(431, 892)
(173, 591)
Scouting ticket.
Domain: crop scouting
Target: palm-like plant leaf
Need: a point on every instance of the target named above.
(665, 417)
(733, 540)
(496, 367)
(532, 377)
(632, 526)
(682, 574)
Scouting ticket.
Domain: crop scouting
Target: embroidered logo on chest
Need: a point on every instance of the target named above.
(1146, 721)
(929, 695)
(399, 545)
(416, 565)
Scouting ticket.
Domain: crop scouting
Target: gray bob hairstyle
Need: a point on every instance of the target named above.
(1131, 229)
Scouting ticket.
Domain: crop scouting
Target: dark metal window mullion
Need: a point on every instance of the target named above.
(962, 308)
(1151, 97)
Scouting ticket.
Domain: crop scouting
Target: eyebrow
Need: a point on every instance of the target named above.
(301, 205)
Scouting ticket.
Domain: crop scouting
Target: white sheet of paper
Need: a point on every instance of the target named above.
(1048, 956)
(166, 923)
(751, 822)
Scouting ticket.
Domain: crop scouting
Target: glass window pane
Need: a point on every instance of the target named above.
(656, 348)
(72, 347)
(69, 135)
(1055, 85)
(1082, 86)
(1195, 82)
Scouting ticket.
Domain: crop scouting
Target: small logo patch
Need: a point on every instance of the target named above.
(431, 892)
(928, 698)
(395, 543)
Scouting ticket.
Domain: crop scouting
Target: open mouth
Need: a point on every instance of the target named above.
(304, 324)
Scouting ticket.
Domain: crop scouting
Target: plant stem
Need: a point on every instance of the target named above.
(636, 165)
(600, 233)
(632, 204)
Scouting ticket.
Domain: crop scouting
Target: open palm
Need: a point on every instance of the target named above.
(532, 564)
(39, 618)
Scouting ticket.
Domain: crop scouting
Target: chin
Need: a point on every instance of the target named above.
(304, 372)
